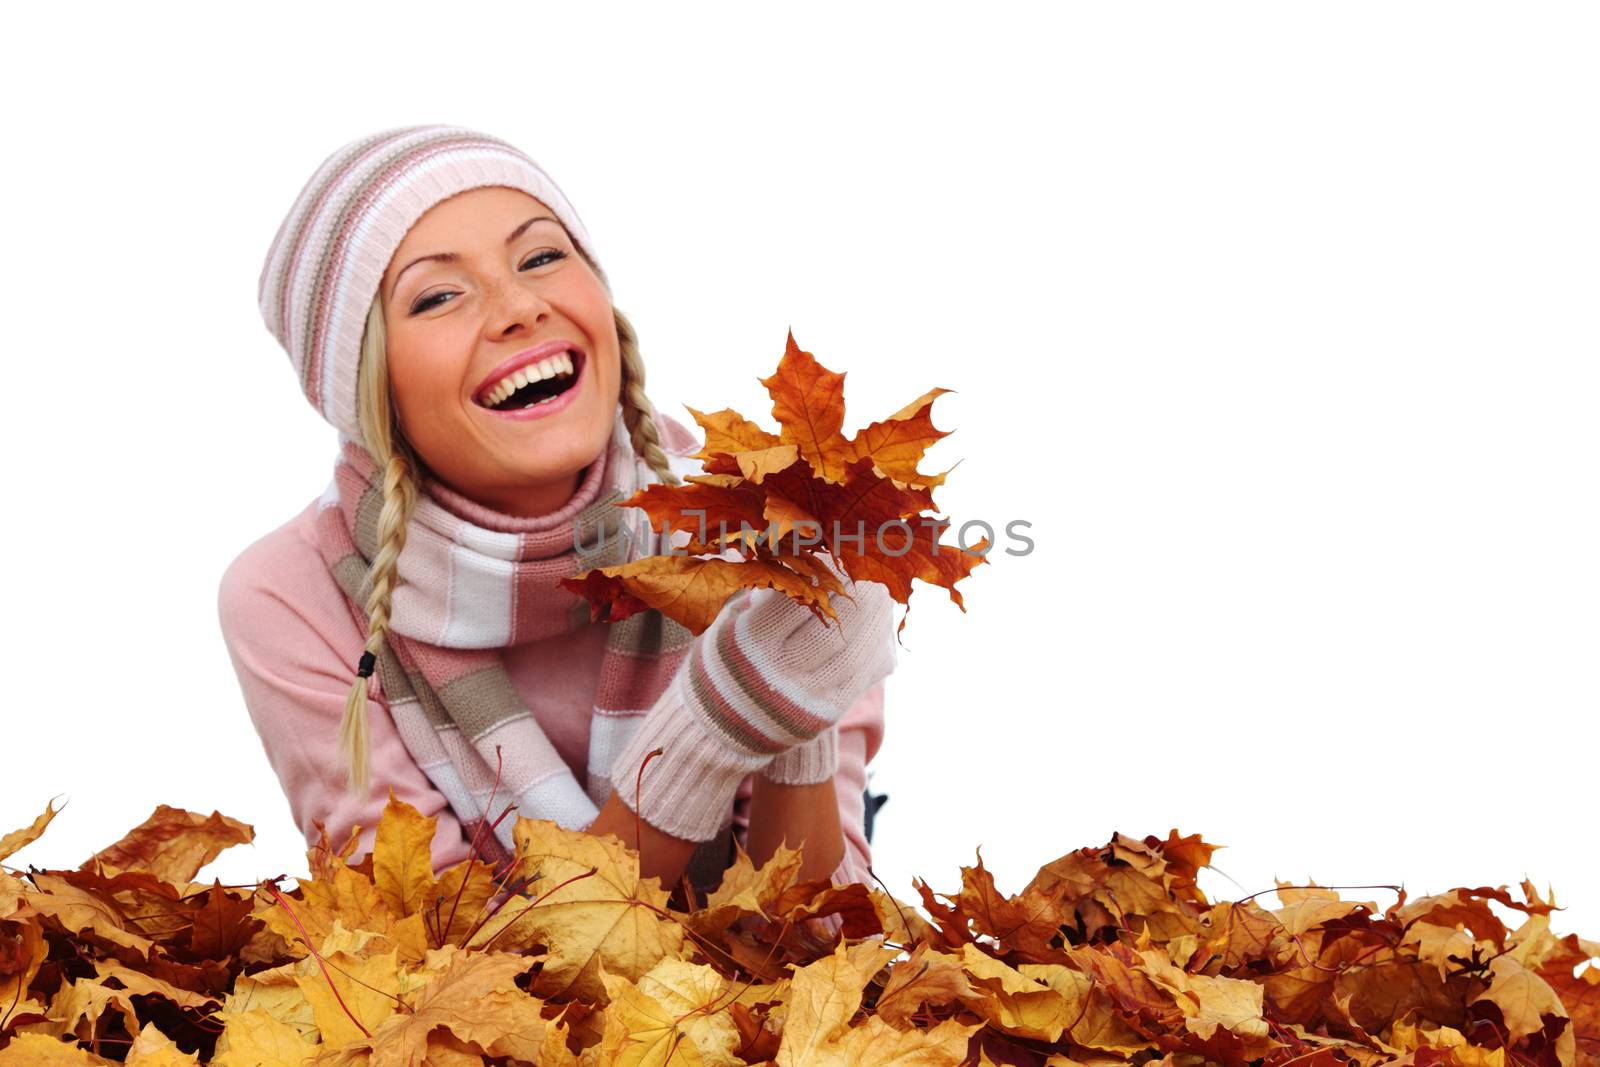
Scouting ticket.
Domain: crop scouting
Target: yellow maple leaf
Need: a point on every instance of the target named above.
(874, 1043)
(366, 989)
(605, 912)
(152, 1048)
(41, 1050)
(402, 857)
(258, 1038)
(474, 996)
(824, 996)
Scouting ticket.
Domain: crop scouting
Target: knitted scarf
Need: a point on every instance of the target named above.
(472, 581)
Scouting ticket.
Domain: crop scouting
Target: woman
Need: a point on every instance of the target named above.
(444, 309)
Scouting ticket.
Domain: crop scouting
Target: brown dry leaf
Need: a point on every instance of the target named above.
(17, 839)
(1013, 1001)
(1313, 908)
(1524, 999)
(80, 912)
(747, 889)
(140, 984)
(1027, 922)
(1448, 949)
(76, 1008)
(1207, 1001)
(927, 978)
(1096, 1025)
(171, 844)
(687, 589)
(24, 952)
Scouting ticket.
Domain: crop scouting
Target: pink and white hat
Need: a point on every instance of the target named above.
(331, 250)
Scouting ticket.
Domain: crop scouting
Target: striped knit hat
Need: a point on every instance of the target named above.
(331, 250)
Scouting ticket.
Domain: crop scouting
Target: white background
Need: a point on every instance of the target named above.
(1277, 322)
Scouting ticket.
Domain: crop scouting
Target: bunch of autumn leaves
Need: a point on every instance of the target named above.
(768, 504)
(1111, 955)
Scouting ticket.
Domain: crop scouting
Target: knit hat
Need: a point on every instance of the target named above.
(331, 250)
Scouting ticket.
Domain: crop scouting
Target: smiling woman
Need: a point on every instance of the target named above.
(441, 302)
(487, 290)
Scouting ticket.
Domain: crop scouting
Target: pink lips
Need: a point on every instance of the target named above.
(523, 359)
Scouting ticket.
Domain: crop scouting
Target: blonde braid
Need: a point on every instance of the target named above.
(401, 486)
(638, 414)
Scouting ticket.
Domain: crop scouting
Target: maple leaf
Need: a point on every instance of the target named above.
(40, 1050)
(808, 402)
(824, 997)
(152, 1048)
(1209, 1001)
(1525, 1000)
(767, 505)
(17, 839)
(1013, 1001)
(402, 860)
(474, 997)
(745, 890)
(346, 898)
(675, 1013)
(928, 978)
(590, 906)
(81, 912)
(1028, 922)
(351, 995)
(171, 844)
(257, 1038)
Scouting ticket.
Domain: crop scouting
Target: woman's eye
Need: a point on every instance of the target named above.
(427, 302)
(555, 254)
(435, 299)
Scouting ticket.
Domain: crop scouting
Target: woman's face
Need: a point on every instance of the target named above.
(479, 281)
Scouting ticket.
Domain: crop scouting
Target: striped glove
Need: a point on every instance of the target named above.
(762, 689)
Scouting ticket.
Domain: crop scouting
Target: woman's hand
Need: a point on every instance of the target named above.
(766, 677)
(823, 669)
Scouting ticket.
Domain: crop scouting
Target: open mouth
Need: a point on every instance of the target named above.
(535, 384)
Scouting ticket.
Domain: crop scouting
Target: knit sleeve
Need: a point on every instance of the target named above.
(293, 643)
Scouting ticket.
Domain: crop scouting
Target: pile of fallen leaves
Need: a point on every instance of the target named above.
(1110, 955)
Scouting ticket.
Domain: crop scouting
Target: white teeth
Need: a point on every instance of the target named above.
(549, 367)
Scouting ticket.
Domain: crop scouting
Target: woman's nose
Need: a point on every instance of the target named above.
(512, 304)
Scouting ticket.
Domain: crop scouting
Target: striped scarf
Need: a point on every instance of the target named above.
(473, 581)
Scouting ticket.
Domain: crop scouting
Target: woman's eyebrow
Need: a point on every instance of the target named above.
(451, 257)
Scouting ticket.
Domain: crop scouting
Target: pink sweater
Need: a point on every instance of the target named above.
(294, 644)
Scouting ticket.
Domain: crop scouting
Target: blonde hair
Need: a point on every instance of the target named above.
(401, 467)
